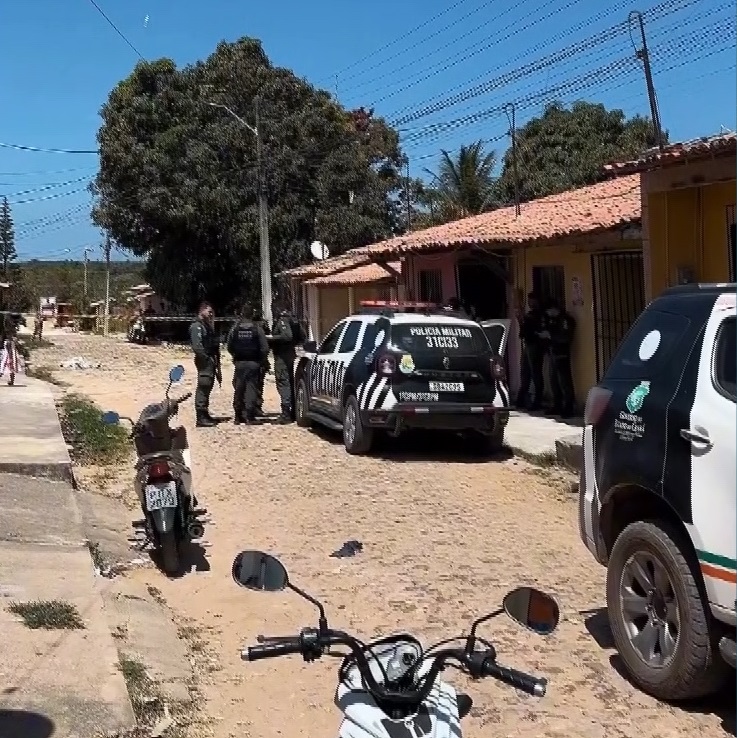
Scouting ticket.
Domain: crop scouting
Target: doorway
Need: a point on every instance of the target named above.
(619, 298)
(482, 285)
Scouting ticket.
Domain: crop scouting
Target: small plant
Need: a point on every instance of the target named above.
(142, 690)
(45, 374)
(91, 440)
(48, 614)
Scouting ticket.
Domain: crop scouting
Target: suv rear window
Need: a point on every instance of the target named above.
(465, 339)
(648, 346)
(725, 359)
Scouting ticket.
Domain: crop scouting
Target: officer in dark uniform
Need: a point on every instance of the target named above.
(559, 327)
(206, 348)
(265, 368)
(282, 341)
(247, 344)
(533, 354)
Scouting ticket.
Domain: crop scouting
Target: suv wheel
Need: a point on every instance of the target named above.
(303, 405)
(356, 438)
(659, 620)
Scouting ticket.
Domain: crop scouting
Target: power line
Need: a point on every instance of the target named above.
(117, 30)
(19, 147)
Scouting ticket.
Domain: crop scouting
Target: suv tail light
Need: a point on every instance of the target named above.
(596, 403)
(158, 470)
(497, 369)
(386, 365)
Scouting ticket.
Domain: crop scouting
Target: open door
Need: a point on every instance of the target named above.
(497, 333)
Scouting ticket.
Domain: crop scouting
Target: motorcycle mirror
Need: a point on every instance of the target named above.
(533, 609)
(176, 373)
(110, 417)
(259, 571)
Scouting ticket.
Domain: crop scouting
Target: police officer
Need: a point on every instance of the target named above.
(533, 354)
(247, 344)
(558, 333)
(265, 368)
(206, 348)
(282, 344)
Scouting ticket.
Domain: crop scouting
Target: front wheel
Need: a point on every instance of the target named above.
(169, 547)
(659, 618)
(357, 439)
(303, 405)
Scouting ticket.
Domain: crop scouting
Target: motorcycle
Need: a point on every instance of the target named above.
(163, 480)
(137, 331)
(391, 687)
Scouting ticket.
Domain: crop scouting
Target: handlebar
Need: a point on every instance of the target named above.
(312, 643)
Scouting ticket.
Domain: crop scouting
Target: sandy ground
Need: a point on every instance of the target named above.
(444, 538)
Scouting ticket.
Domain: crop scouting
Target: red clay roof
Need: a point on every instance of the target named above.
(700, 148)
(591, 209)
(366, 274)
(328, 266)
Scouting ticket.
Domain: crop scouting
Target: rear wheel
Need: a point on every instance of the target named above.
(303, 405)
(169, 547)
(487, 444)
(659, 619)
(357, 439)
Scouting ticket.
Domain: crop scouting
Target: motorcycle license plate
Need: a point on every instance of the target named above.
(447, 387)
(160, 496)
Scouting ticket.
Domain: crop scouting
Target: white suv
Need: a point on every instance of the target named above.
(657, 492)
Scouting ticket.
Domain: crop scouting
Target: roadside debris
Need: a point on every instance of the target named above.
(78, 362)
(348, 549)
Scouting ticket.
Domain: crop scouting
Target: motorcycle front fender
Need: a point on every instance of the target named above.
(164, 520)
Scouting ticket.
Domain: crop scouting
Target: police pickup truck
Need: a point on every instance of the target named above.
(394, 366)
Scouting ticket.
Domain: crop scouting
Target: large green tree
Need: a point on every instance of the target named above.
(567, 148)
(178, 180)
(8, 253)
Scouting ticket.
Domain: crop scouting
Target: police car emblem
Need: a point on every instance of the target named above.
(636, 398)
(446, 362)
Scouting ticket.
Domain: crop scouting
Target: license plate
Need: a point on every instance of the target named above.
(160, 496)
(447, 387)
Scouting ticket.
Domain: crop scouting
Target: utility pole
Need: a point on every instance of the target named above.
(513, 134)
(643, 55)
(263, 208)
(106, 324)
(263, 222)
(409, 199)
(86, 251)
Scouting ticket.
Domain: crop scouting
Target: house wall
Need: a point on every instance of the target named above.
(685, 223)
(444, 262)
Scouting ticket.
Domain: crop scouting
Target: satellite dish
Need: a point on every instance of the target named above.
(319, 250)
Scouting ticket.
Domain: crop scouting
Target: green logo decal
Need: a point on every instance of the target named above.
(636, 398)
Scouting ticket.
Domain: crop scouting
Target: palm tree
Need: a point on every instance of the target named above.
(465, 184)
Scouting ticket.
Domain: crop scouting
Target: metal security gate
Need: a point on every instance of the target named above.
(619, 297)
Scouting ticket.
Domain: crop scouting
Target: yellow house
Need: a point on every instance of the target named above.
(582, 247)
(688, 211)
(325, 292)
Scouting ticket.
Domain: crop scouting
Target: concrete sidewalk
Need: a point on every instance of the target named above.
(534, 434)
(31, 441)
(69, 677)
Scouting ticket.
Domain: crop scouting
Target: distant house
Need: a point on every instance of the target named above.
(145, 300)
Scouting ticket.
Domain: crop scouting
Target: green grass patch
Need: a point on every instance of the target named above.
(91, 440)
(48, 614)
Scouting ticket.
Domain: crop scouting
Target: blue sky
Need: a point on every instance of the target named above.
(60, 59)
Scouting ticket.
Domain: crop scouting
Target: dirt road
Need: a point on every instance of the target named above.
(444, 537)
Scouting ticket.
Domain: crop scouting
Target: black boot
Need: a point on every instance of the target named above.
(285, 417)
(204, 420)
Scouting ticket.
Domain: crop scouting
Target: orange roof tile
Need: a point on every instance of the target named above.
(591, 209)
(700, 148)
(328, 266)
(359, 275)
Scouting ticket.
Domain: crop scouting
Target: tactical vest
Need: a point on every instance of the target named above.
(245, 345)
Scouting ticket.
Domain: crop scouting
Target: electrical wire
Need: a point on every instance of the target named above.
(45, 188)
(117, 30)
(19, 147)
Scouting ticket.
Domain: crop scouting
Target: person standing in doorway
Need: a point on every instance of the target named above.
(560, 327)
(533, 355)
(283, 343)
(247, 344)
(206, 348)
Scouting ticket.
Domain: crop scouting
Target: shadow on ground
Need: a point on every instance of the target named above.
(22, 724)
(419, 446)
(191, 558)
(721, 704)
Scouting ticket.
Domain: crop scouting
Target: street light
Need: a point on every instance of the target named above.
(263, 211)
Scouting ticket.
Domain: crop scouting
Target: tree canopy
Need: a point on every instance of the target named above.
(567, 148)
(8, 253)
(178, 180)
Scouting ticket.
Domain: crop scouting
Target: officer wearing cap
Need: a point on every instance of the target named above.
(248, 346)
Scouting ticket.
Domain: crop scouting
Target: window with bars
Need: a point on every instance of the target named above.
(430, 284)
(549, 283)
(731, 242)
